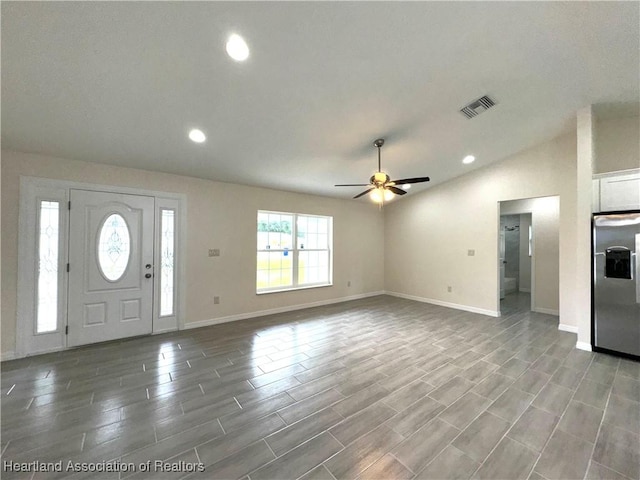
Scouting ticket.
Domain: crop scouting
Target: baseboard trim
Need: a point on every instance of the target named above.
(568, 328)
(547, 311)
(7, 356)
(457, 306)
(272, 311)
(583, 346)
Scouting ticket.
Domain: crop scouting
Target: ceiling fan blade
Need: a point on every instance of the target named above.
(352, 185)
(363, 193)
(395, 190)
(402, 181)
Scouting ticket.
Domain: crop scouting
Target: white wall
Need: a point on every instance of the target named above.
(429, 234)
(617, 145)
(219, 215)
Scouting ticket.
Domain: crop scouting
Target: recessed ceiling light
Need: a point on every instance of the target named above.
(237, 48)
(468, 159)
(406, 186)
(197, 136)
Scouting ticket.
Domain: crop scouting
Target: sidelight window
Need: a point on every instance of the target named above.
(48, 263)
(167, 251)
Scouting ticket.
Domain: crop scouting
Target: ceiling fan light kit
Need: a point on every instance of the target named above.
(381, 187)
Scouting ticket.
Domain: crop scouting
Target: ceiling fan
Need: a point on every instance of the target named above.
(381, 187)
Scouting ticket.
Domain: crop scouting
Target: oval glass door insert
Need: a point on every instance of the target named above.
(114, 247)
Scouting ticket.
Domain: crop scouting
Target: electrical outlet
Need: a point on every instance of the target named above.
(471, 253)
(214, 252)
(216, 300)
(349, 283)
(449, 289)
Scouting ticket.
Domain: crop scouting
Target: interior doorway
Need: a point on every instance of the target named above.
(529, 255)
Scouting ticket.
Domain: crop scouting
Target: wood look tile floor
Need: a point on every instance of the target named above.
(379, 388)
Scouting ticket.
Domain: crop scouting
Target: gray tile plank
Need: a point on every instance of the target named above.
(217, 449)
(310, 405)
(362, 422)
(402, 398)
(600, 472)
(452, 390)
(592, 393)
(362, 453)
(534, 428)
(511, 404)
(581, 420)
(450, 463)
(624, 413)
(565, 456)
(618, 450)
(386, 468)
(493, 386)
(415, 416)
(238, 464)
(360, 400)
(464, 410)
(510, 459)
(553, 398)
(531, 381)
(254, 411)
(419, 449)
(479, 438)
(318, 473)
(297, 433)
(300, 460)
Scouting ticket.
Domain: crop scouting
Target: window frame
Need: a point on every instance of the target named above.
(294, 251)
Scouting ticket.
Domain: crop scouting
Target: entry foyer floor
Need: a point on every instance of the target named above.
(379, 388)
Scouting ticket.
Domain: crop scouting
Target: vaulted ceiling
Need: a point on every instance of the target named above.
(123, 83)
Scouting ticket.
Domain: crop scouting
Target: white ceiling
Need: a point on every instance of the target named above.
(123, 83)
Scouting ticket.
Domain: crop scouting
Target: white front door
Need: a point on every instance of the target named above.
(110, 266)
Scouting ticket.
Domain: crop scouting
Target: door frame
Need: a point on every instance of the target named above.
(36, 189)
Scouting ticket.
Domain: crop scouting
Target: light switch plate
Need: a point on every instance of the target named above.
(471, 253)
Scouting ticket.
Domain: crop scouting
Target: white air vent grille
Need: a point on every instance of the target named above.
(478, 106)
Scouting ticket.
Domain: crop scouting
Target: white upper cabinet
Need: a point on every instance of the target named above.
(616, 192)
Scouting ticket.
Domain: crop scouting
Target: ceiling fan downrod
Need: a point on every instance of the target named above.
(379, 143)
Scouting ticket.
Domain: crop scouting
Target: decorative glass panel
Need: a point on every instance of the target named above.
(48, 254)
(114, 247)
(167, 262)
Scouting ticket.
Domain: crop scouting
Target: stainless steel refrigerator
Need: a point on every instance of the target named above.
(616, 289)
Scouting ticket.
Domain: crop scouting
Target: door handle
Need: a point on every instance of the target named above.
(147, 266)
(148, 275)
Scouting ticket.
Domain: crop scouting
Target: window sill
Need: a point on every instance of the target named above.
(293, 289)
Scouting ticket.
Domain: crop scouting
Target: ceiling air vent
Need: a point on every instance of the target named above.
(478, 106)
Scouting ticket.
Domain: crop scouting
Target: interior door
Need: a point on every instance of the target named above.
(110, 266)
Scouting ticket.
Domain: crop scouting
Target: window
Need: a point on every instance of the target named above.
(48, 259)
(114, 246)
(294, 251)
